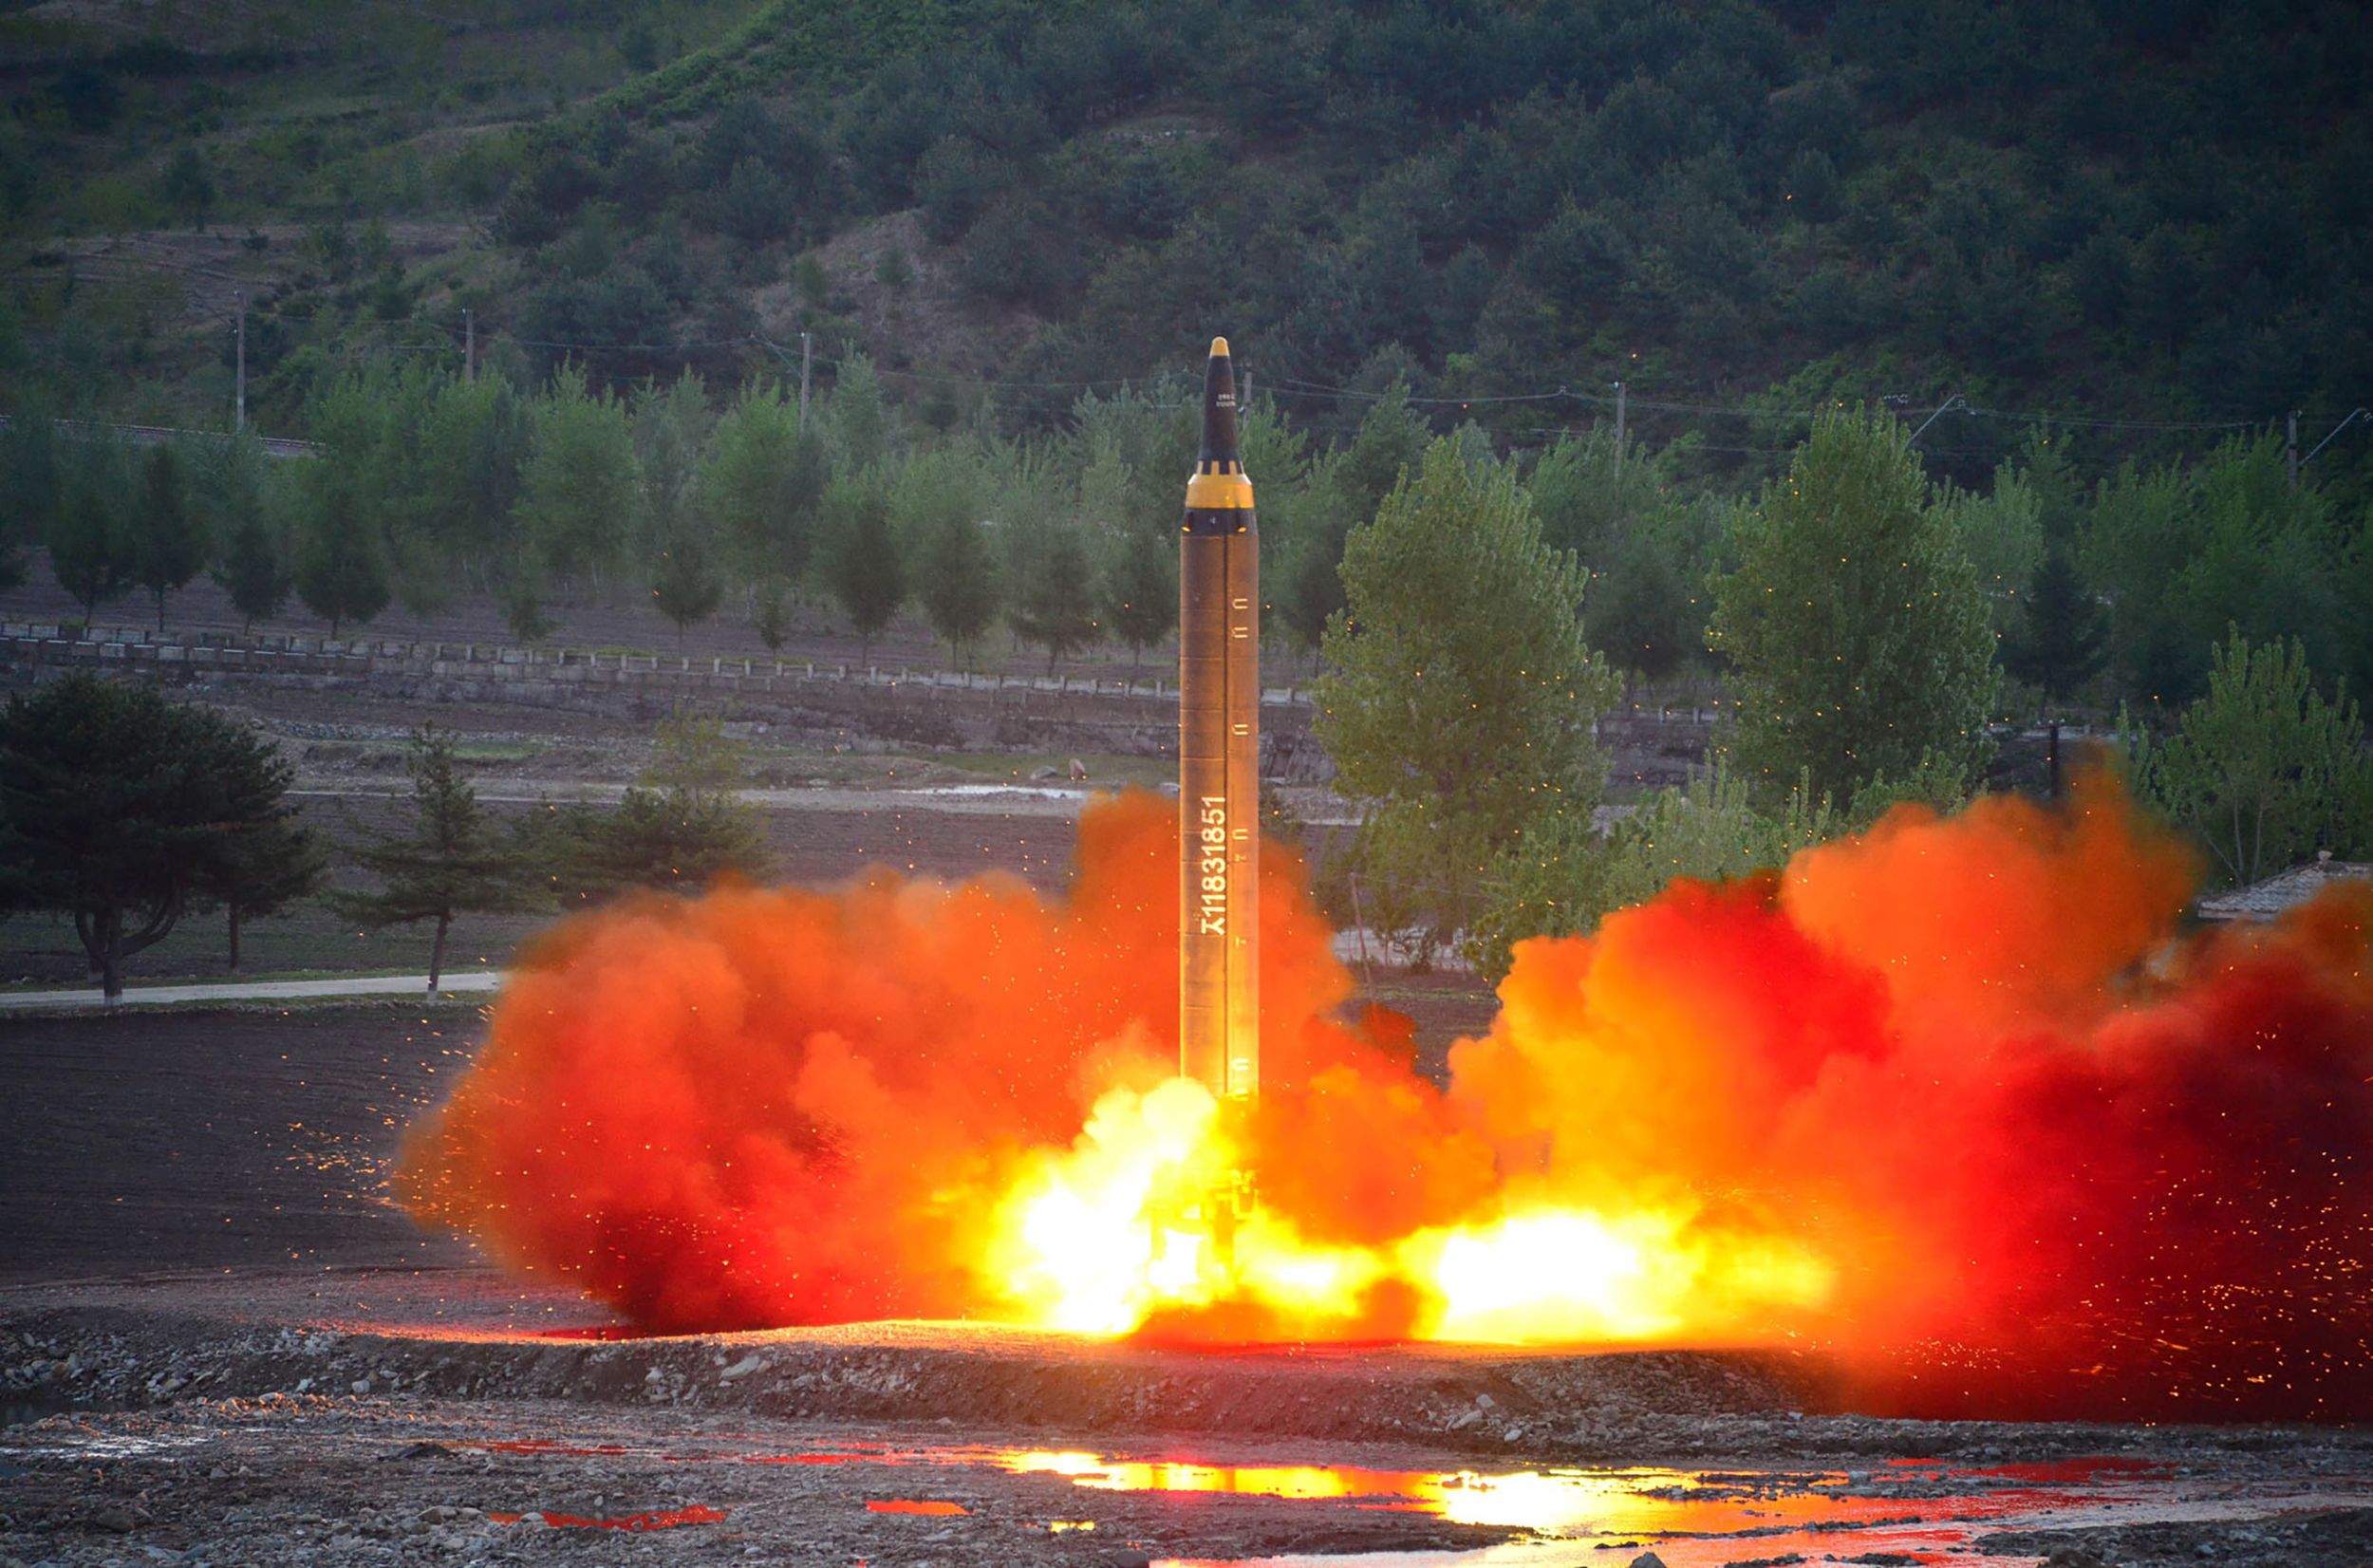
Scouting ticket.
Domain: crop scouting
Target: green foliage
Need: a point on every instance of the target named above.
(939, 509)
(1854, 628)
(1646, 546)
(117, 807)
(685, 587)
(341, 562)
(1565, 877)
(681, 826)
(187, 187)
(167, 539)
(2227, 544)
(580, 489)
(90, 548)
(770, 612)
(1054, 601)
(2060, 639)
(761, 478)
(1461, 694)
(254, 571)
(858, 420)
(2261, 769)
(264, 867)
(865, 568)
(451, 863)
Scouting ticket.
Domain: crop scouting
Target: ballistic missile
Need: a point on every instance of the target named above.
(1219, 756)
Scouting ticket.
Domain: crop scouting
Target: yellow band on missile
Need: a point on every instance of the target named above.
(1219, 349)
(1218, 493)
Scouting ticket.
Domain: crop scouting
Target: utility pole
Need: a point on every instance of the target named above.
(238, 406)
(1621, 393)
(469, 345)
(807, 361)
(2291, 445)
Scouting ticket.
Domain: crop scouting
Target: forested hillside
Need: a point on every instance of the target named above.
(544, 281)
(2154, 213)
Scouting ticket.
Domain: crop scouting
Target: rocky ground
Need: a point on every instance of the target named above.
(253, 1432)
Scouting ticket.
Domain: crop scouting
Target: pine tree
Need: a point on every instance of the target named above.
(252, 572)
(2062, 640)
(450, 864)
(1140, 588)
(686, 587)
(89, 552)
(1056, 606)
(957, 579)
(117, 807)
(869, 581)
(168, 543)
(340, 568)
(262, 869)
(770, 612)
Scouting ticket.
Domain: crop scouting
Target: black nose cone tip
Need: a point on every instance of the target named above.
(1219, 406)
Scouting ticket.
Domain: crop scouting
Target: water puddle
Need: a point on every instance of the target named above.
(1900, 1511)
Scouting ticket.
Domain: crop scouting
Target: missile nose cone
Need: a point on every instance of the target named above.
(1219, 412)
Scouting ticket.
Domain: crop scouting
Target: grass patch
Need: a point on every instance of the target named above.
(498, 751)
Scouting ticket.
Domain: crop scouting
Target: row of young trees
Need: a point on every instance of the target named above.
(1864, 616)
(2098, 586)
(124, 813)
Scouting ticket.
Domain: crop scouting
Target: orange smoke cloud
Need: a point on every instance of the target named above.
(1953, 1099)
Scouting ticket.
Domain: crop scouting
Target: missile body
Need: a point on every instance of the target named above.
(1219, 756)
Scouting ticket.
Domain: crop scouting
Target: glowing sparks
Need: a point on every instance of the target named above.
(1958, 1088)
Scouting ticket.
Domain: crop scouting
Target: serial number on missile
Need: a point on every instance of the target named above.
(1212, 868)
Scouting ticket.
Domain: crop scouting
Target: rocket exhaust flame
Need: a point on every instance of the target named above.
(1951, 1100)
(1955, 1101)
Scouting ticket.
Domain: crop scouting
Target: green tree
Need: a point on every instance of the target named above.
(956, 580)
(261, 869)
(686, 587)
(857, 421)
(253, 571)
(1565, 877)
(341, 568)
(116, 806)
(1055, 599)
(770, 611)
(1139, 589)
(2060, 640)
(865, 571)
(1645, 547)
(580, 488)
(89, 552)
(1461, 695)
(450, 864)
(168, 542)
(679, 826)
(2260, 769)
(1855, 626)
(763, 477)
